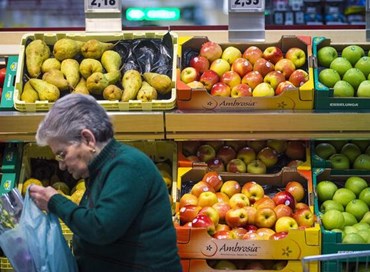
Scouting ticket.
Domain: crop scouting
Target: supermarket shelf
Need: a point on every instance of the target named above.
(182, 125)
(17, 126)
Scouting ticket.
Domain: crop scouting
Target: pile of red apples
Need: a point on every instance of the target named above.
(229, 210)
(253, 156)
(236, 72)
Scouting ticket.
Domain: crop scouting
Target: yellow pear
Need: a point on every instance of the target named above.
(112, 92)
(66, 48)
(111, 61)
(29, 94)
(71, 70)
(81, 87)
(96, 83)
(131, 82)
(37, 52)
(56, 77)
(50, 63)
(113, 77)
(29, 182)
(95, 49)
(90, 66)
(45, 90)
(162, 83)
(146, 93)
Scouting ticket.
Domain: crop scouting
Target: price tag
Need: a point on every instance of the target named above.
(245, 5)
(103, 5)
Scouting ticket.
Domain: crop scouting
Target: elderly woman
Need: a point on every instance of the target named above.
(124, 220)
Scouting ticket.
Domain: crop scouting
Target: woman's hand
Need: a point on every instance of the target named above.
(41, 195)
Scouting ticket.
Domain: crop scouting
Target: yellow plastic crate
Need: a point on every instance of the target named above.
(5, 265)
(132, 105)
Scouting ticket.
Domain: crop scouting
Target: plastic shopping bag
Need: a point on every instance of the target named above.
(45, 242)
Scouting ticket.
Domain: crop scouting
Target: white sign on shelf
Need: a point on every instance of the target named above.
(104, 6)
(246, 5)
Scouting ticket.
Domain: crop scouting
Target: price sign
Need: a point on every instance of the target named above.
(245, 5)
(102, 5)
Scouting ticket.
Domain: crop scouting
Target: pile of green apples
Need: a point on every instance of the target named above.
(346, 72)
(345, 154)
(346, 209)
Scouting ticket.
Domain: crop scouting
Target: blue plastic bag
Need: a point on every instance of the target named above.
(45, 242)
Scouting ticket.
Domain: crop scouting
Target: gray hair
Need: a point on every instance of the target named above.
(70, 115)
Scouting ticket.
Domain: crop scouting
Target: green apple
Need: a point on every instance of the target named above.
(353, 53)
(332, 219)
(358, 208)
(329, 77)
(329, 205)
(351, 151)
(362, 144)
(353, 238)
(339, 161)
(366, 218)
(344, 196)
(338, 144)
(362, 162)
(341, 65)
(364, 234)
(356, 184)
(325, 190)
(363, 64)
(363, 89)
(343, 89)
(354, 77)
(349, 229)
(349, 219)
(326, 55)
(325, 150)
(365, 195)
(361, 226)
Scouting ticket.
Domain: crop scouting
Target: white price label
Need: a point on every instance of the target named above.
(102, 5)
(245, 4)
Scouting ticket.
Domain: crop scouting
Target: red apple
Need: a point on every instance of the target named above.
(272, 54)
(263, 66)
(201, 186)
(286, 67)
(252, 79)
(216, 164)
(205, 152)
(226, 153)
(242, 66)
(283, 210)
(236, 166)
(251, 210)
(283, 86)
(296, 150)
(285, 223)
(264, 202)
(238, 232)
(263, 90)
(241, 90)
(274, 78)
(279, 235)
(223, 234)
(207, 199)
(253, 191)
(284, 197)
(188, 199)
(221, 89)
(195, 85)
(230, 78)
(298, 77)
(238, 200)
(294, 163)
(251, 236)
(190, 147)
(265, 218)
(210, 50)
(231, 53)
(297, 56)
(221, 208)
(215, 144)
(193, 158)
(252, 53)
(200, 63)
(214, 179)
(236, 217)
(256, 167)
(257, 145)
(189, 74)
(230, 187)
(301, 205)
(220, 66)
(211, 213)
(246, 154)
(251, 227)
(265, 233)
(304, 217)
(2, 77)
(203, 221)
(296, 189)
(222, 197)
(208, 79)
(188, 212)
(222, 226)
(254, 265)
(268, 156)
(237, 145)
(277, 144)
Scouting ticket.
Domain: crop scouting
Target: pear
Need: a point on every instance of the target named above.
(146, 93)
(45, 90)
(71, 70)
(162, 83)
(66, 48)
(131, 82)
(81, 87)
(90, 66)
(112, 92)
(50, 63)
(96, 83)
(29, 94)
(113, 77)
(95, 49)
(37, 52)
(111, 61)
(56, 77)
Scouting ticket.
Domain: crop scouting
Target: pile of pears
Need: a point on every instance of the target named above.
(59, 69)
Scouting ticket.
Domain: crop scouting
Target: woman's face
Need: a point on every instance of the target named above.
(73, 157)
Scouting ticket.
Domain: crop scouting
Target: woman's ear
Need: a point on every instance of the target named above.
(88, 137)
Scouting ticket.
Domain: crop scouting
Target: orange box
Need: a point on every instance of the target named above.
(200, 99)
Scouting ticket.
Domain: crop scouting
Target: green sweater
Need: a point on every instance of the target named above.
(124, 220)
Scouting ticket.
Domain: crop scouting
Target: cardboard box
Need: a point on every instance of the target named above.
(166, 102)
(196, 243)
(200, 99)
(6, 101)
(324, 99)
